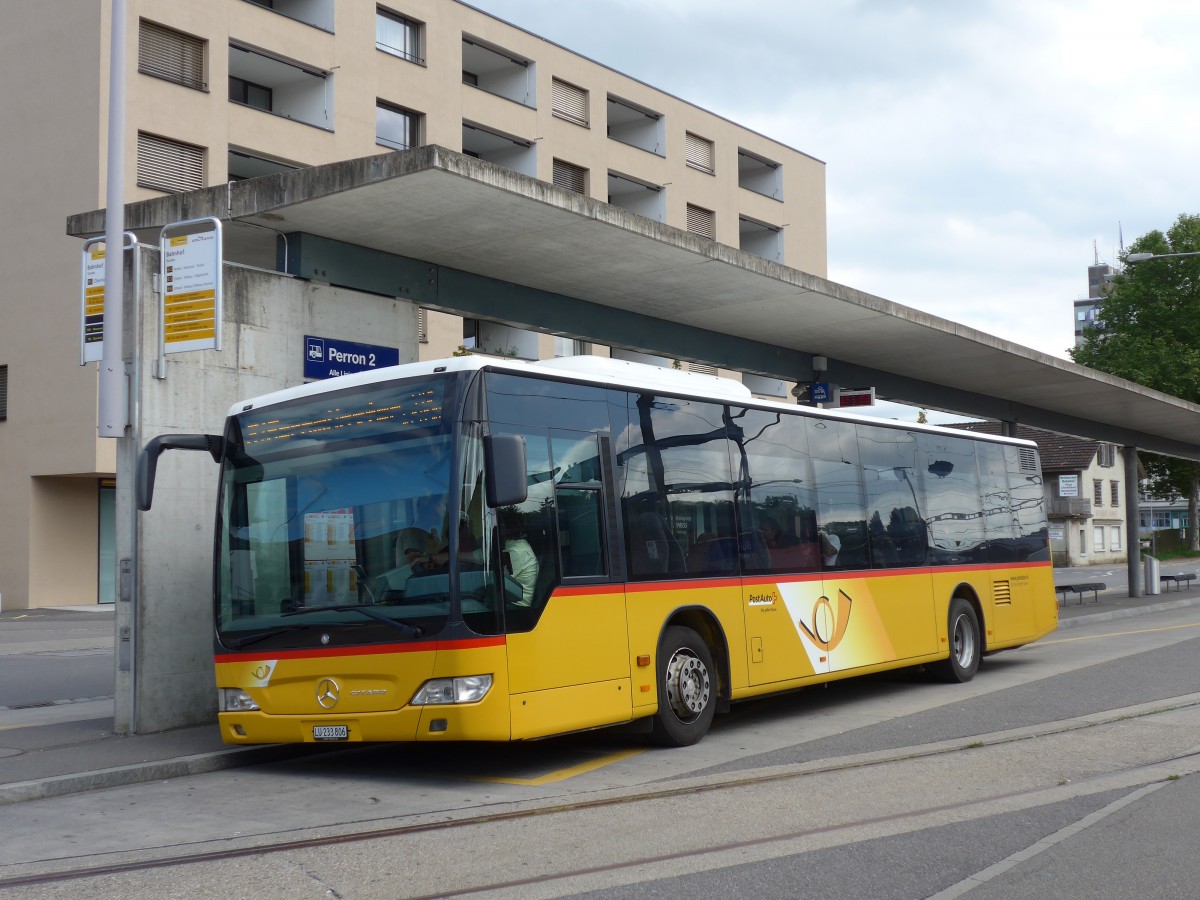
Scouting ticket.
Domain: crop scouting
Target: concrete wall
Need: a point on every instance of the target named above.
(166, 630)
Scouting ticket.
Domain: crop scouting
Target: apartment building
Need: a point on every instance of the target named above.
(230, 89)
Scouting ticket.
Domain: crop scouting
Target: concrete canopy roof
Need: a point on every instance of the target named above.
(456, 212)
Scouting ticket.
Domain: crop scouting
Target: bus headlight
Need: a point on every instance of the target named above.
(444, 691)
(234, 700)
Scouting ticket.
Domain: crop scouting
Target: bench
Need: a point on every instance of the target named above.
(1178, 580)
(1080, 589)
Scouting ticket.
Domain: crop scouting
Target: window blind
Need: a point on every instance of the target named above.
(701, 221)
(570, 102)
(570, 176)
(166, 165)
(698, 152)
(169, 54)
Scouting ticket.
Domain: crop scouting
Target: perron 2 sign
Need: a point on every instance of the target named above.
(330, 357)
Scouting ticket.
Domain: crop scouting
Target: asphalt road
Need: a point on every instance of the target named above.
(1065, 769)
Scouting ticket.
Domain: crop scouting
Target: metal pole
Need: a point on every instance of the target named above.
(1132, 540)
(113, 405)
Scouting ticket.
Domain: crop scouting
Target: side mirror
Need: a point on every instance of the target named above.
(147, 464)
(504, 469)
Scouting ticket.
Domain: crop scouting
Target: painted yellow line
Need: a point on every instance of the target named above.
(564, 774)
(1096, 637)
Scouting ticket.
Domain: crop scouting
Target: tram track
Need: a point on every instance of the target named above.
(67, 869)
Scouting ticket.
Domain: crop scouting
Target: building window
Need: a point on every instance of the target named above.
(635, 125)
(565, 346)
(273, 84)
(317, 13)
(702, 221)
(170, 166)
(1115, 493)
(249, 93)
(569, 102)
(570, 176)
(1098, 538)
(760, 239)
(398, 36)
(761, 175)
(1083, 542)
(171, 55)
(3, 393)
(498, 71)
(1098, 492)
(698, 153)
(637, 196)
(242, 164)
(1114, 538)
(1106, 455)
(396, 127)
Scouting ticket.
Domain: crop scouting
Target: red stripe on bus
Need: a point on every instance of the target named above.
(364, 650)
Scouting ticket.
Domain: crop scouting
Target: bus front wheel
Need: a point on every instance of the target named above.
(965, 643)
(687, 686)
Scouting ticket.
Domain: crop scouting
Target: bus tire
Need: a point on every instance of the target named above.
(966, 645)
(687, 688)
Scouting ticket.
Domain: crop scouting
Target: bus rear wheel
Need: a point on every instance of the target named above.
(966, 646)
(687, 688)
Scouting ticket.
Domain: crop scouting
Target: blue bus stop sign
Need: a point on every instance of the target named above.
(330, 357)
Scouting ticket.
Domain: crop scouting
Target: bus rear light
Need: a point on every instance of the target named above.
(235, 700)
(445, 691)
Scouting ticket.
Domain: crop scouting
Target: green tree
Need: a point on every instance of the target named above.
(1148, 331)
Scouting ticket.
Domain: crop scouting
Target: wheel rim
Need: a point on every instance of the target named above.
(964, 641)
(688, 685)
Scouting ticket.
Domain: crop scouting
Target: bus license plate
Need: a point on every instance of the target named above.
(330, 733)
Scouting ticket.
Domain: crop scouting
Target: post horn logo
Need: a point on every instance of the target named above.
(829, 621)
(327, 693)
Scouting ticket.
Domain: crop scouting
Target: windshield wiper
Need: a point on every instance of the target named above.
(239, 643)
(410, 630)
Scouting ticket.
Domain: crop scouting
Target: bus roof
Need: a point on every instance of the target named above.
(598, 370)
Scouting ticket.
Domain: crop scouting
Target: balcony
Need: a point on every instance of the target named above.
(1069, 508)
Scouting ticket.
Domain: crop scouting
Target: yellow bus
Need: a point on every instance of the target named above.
(486, 549)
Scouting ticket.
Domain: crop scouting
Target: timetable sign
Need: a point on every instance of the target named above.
(191, 286)
(93, 303)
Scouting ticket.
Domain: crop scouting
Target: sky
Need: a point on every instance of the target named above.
(980, 154)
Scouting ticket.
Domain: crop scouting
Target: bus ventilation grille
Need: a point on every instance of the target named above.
(1002, 592)
(1029, 461)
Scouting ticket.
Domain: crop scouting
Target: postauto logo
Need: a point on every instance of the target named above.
(316, 350)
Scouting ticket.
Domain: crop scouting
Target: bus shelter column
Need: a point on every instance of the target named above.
(1132, 517)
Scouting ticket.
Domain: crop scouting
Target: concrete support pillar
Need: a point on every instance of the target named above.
(1132, 541)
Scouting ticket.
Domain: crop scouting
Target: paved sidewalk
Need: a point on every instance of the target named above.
(52, 750)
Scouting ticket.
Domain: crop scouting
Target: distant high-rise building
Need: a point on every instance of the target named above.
(1087, 309)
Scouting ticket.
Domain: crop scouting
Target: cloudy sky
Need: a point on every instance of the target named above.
(974, 149)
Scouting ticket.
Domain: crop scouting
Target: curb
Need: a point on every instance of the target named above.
(1124, 613)
(140, 773)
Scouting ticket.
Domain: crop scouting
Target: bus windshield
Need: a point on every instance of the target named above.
(335, 518)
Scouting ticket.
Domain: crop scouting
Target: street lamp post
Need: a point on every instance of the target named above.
(1142, 257)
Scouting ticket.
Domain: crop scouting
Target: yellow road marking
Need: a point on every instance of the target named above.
(1096, 637)
(564, 774)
